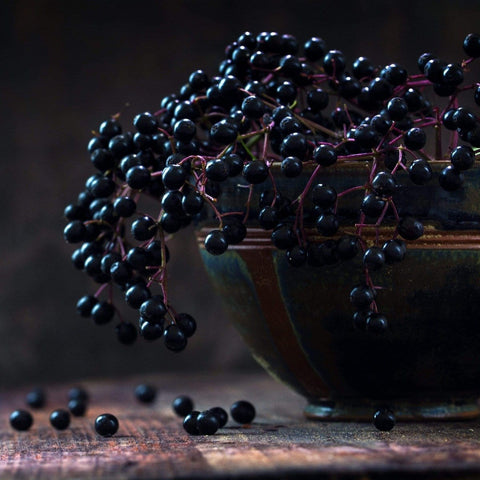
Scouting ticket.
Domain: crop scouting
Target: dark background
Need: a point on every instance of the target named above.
(67, 66)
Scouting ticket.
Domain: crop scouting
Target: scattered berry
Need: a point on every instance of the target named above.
(77, 407)
(106, 425)
(182, 405)
(60, 419)
(242, 412)
(36, 398)
(384, 419)
(21, 420)
(145, 393)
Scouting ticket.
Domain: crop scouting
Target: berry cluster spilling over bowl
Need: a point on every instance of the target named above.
(274, 108)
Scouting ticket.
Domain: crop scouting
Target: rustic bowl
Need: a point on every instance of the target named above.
(298, 323)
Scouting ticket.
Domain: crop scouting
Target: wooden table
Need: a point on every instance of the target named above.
(280, 444)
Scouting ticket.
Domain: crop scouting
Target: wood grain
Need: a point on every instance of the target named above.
(151, 443)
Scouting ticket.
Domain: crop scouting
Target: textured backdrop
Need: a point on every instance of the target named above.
(65, 67)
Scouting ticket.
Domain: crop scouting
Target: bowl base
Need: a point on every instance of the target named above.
(404, 410)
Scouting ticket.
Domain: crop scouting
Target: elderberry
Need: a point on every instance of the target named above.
(182, 405)
(35, 398)
(145, 393)
(106, 425)
(242, 412)
(60, 419)
(384, 419)
(21, 420)
(263, 120)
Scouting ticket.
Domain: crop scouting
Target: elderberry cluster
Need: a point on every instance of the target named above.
(274, 109)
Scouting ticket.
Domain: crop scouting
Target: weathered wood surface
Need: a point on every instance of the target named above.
(280, 444)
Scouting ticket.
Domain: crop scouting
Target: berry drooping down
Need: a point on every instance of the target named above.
(277, 112)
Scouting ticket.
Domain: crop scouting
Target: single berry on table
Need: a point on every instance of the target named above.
(190, 423)
(242, 412)
(221, 415)
(21, 420)
(77, 407)
(145, 393)
(182, 405)
(384, 419)
(60, 419)
(36, 398)
(106, 425)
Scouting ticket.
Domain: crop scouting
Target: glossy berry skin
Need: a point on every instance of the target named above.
(410, 228)
(327, 224)
(452, 74)
(103, 312)
(362, 296)
(242, 412)
(216, 170)
(136, 295)
(74, 232)
(294, 145)
(153, 310)
(77, 407)
(144, 228)
(394, 74)
(85, 305)
(374, 258)
(182, 405)
(360, 320)
(110, 128)
(145, 393)
(253, 107)
(394, 250)
(397, 108)
(216, 242)
(138, 177)
(224, 132)
(384, 184)
(184, 130)
(207, 423)
(174, 176)
(296, 256)
(234, 230)
(284, 237)
(60, 419)
(451, 178)
(462, 157)
(376, 323)
(471, 45)
(420, 172)
(21, 420)
(415, 139)
(190, 424)
(78, 393)
(325, 155)
(35, 398)
(373, 205)
(192, 203)
(255, 172)
(384, 420)
(106, 425)
(174, 339)
(186, 323)
(291, 167)
(145, 123)
(151, 331)
(324, 195)
(315, 48)
(221, 415)
(334, 62)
